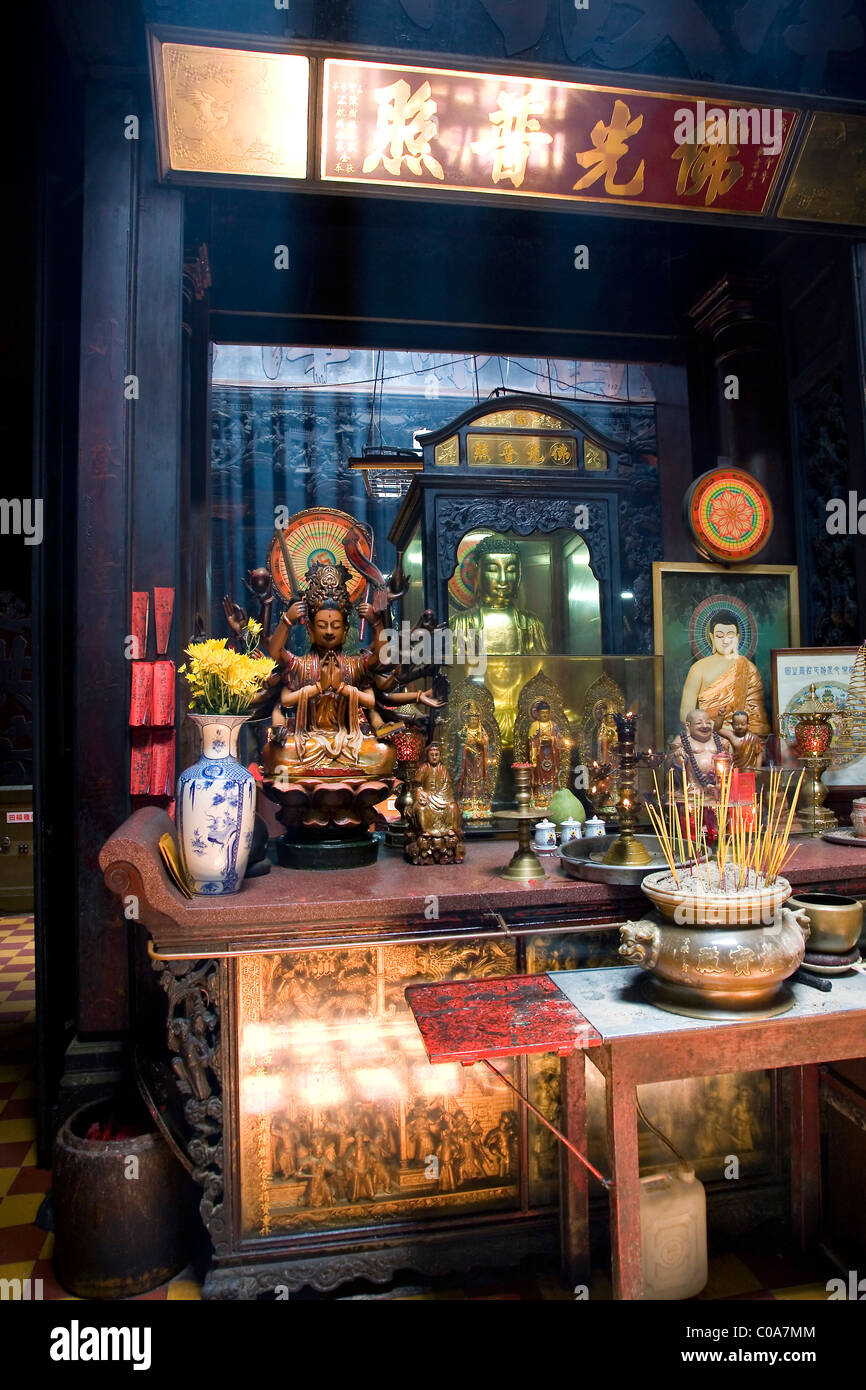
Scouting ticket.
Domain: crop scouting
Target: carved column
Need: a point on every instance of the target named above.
(752, 409)
(194, 993)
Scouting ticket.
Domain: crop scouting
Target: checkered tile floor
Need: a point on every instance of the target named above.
(25, 1249)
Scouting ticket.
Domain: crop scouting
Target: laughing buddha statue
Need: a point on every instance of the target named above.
(497, 625)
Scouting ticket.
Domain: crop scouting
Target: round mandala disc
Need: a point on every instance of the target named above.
(316, 536)
(729, 515)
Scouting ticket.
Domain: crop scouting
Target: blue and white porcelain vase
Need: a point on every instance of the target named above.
(216, 808)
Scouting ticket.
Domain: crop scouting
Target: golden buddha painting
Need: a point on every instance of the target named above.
(716, 629)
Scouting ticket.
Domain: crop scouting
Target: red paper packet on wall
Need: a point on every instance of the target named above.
(140, 762)
(162, 763)
(162, 704)
(163, 607)
(141, 693)
(140, 607)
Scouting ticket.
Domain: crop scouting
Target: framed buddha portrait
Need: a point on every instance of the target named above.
(716, 629)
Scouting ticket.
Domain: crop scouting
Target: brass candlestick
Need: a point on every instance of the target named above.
(524, 863)
(626, 848)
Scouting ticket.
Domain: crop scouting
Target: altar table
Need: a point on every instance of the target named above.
(633, 1043)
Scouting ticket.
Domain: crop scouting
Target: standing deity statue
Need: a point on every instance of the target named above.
(547, 747)
(605, 738)
(474, 791)
(725, 680)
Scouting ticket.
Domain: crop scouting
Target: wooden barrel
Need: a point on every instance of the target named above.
(125, 1211)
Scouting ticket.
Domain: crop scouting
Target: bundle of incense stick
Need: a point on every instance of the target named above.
(752, 848)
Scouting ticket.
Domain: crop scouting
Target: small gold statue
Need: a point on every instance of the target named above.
(748, 748)
(434, 834)
(542, 738)
(546, 746)
(471, 748)
(474, 791)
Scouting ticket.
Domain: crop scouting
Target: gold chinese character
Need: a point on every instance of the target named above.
(560, 452)
(406, 126)
(481, 453)
(712, 165)
(534, 453)
(507, 451)
(515, 132)
(611, 143)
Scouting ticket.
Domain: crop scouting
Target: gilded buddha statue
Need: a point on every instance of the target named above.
(507, 629)
(498, 626)
(725, 680)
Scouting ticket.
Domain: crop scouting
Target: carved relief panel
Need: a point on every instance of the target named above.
(343, 1121)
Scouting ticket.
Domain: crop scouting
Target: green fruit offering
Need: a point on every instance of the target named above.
(564, 804)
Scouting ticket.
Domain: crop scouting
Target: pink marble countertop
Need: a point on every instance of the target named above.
(390, 891)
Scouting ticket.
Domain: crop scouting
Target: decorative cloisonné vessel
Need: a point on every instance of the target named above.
(216, 807)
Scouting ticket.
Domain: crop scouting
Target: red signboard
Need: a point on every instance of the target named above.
(471, 132)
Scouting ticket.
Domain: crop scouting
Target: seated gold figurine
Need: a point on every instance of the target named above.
(434, 833)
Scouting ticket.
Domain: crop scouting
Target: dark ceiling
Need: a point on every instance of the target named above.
(495, 271)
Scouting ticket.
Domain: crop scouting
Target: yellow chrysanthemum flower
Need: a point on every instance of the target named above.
(223, 681)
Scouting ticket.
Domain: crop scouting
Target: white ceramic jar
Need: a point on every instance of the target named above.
(544, 835)
(570, 829)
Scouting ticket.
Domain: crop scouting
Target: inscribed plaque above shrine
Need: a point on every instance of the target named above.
(474, 132)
